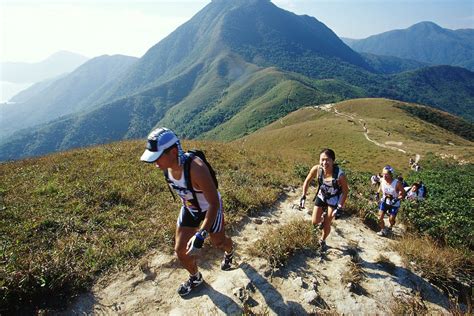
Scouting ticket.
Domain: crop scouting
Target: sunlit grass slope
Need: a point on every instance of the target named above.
(270, 94)
(68, 217)
(303, 133)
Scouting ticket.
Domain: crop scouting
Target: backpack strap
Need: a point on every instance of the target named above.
(320, 176)
(187, 176)
(335, 174)
(168, 183)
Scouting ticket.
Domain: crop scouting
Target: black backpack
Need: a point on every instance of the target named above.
(335, 184)
(189, 156)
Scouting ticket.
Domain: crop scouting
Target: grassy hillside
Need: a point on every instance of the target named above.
(68, 217)
(305, 132)
(442, 119)
(281, 93)
(231, 69)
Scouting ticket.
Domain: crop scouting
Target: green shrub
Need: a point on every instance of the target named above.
(447, 213)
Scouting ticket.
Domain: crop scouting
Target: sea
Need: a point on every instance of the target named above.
(10, 89)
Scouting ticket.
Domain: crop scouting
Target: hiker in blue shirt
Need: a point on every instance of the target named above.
(201, 214)
(332, 192)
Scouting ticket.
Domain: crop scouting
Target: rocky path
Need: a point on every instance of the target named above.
(310, 282)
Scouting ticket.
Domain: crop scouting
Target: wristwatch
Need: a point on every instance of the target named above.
(203, 233)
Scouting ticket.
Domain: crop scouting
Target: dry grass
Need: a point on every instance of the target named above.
(305, 132)
(279, 244)
(385, 262)
(354, 273)
(445, 267)
(409, 305)
(71, 216)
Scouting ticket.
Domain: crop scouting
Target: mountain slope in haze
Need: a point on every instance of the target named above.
(55, 65)
(306, 131)
(425, 42)
(212, 77)
(391, 64)
(447, 88)
(189, 54)
(49, 100)
(256, 30)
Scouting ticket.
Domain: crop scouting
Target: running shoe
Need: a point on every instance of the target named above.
(193, 282)
(226, 263)
(382, 232)
(322, 245)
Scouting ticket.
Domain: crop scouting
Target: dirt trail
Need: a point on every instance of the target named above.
(308, 283)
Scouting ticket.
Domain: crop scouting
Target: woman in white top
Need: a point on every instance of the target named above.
(392, 193)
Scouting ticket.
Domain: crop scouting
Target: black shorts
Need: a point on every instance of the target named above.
(193, 219)
(321, 203)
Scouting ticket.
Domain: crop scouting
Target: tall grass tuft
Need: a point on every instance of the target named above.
(279, 244)
(449, 268)
(409, 305)
(354, 274)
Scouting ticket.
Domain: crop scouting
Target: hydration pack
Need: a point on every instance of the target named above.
(189, 157)
(335, 184)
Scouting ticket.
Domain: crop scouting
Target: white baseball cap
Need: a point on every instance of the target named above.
(158, 141)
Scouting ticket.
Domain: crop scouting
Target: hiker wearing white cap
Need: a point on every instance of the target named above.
(201, 215)
(392, 193)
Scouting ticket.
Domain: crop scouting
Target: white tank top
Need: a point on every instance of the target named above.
(179, 185)
(389, 189)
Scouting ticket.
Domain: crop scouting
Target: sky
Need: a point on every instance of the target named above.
(32, 30)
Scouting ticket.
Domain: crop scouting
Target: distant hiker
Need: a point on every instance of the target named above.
(402, 181)
(201, 214)
(375, 179)
(411, 162)
(413, 192)
(332, 192)
(392, 193)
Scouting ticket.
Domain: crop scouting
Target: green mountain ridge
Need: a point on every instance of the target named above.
(213, 78)
(424, 42)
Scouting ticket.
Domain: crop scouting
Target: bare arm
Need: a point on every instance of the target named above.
(311, 175)
(401, 191)
(345, 189)
(201, 179)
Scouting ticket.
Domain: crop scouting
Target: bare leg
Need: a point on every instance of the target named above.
(327, 223)
(317, 215)
(221, 241)
(391, 219)
(183, 234)
(381, 222)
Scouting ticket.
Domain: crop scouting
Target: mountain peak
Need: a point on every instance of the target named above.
(240, 2)
(426, 26)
